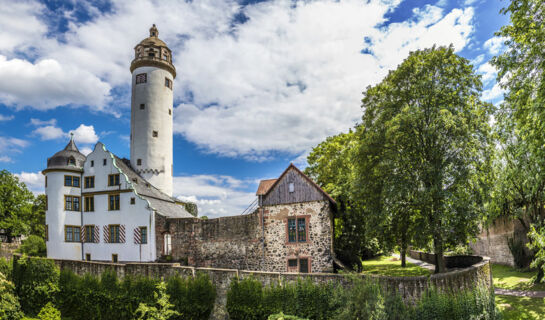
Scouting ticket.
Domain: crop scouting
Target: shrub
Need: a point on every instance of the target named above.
(33, 246)
(162, 308)
(192, 298)
(363, 300)
(36, 282)
(245, 299)
(520, 257)
(9, 304)
(6, 267)
(49, 312)
(282, 316)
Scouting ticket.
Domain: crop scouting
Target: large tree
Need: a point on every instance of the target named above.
(521, 121)
(425, 150)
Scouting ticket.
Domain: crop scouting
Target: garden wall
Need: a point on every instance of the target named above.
(8, 249)
(462, 261)
(409, 288)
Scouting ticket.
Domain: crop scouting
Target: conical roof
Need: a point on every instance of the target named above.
(67, 159)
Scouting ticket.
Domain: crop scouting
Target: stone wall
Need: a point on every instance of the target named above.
(493, 240)
(462, 261)
(8, 249)
(410, 288)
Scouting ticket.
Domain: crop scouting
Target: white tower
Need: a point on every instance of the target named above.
(151, 111)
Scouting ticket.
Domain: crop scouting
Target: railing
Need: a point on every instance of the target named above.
(250, 208)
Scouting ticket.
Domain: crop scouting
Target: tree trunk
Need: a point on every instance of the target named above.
(403, 251)
(540, 275)
(440, 266)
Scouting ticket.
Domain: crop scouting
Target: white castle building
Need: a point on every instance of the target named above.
(104, 208)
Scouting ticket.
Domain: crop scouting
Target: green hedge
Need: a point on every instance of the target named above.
(192, 298)
(247, 299)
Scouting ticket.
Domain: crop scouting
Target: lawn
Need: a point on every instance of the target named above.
(514, 308)
(390, 266)
(508, 278)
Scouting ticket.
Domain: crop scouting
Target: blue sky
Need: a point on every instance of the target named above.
(259, 83)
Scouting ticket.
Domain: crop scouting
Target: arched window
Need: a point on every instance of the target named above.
(72, 161)
(167, 244)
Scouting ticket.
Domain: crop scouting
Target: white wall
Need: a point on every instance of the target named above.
(131, 216)
(155, 153)
(56, 218)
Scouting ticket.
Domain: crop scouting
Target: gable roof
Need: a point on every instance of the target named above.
(269, 184)
(162, 203)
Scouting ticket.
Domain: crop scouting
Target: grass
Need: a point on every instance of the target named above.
(514, 308)
(509, 278)
(390, 266)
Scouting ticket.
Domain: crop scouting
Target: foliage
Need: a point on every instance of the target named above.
(33, 246)
(49, 312)
(424, 157)
(516, 247)
(36, 282)
(282, 316)
(386, 265)
(6, 266)
(245, 299)
(10, 308)
(520, 191)
(365, 300)
(162, 309)
(15, 205)
(537, 243)
(192, 298)
(506, 277)
(460, 250)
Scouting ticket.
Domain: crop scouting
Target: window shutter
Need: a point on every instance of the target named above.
(82, 234)
(97, 234)
(122, 233)
(137, 236)
(106, 232)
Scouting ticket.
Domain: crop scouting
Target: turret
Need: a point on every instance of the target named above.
(151, 111)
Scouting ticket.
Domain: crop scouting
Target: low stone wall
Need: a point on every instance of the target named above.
(462, 261)
(409, 288)
(8, 249)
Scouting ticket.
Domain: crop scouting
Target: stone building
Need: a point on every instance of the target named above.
(104, 208)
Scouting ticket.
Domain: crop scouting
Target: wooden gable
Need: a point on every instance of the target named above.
(304, 189)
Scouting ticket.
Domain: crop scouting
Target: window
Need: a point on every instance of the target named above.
(114, 202)
(89, 234)
(46, 232)
(155, 134)
(151, 53)
(113, 180)
(72, 161)
(143, 235)
(133, 200)
(71, 203)
(88, 256)
(46, 202)
(298, 265)
(142, 106)
(103, 162)
(92, 163)
(72, 234)
(114, 233)
(142, 77)
(165, 56)
(114, 258)
(167, 245)
(71, 181)
(138, 162)
(291, 187)
(89, 182)
(168, 83)
(135, 180)
(46, 181)
(89, 204)
(297, 229)
(169, 112)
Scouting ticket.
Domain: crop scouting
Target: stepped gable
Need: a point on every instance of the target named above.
(162, 203)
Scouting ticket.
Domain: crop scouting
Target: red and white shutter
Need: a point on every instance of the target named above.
(82, 234)
(106, 231)
(96, 231)
(122, 233)
(137, 236)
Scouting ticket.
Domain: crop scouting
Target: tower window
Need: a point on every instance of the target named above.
(141, 78)
(151, 54)
(72, 161)
(165, 57)
(139, 162)
(103, 162)
(169, 112)
(133, 200)
(142, 106)
(155, 134)
(168, 83)
(92, 163)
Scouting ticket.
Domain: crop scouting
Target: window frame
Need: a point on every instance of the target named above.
(115, 179)
(90, 203)
(143, 239)
(73, 233)
(115, 257)
(72, 203)
(307, 233)
(72, 181)
(110, 226)
(117, 205)
(297, 268)
(87, 239)
(141, 78)
(87, 182)
(168, 83)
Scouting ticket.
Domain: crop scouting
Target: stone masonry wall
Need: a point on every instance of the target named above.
(226, 242)
(409, 288)
(319, 246)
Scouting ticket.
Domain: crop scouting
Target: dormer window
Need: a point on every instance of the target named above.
(72, 161)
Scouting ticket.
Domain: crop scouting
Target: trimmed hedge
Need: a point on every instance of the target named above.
(247, 299)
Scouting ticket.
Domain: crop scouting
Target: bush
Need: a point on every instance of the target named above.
(49, 312)
(161, 309)
(282, 316)
(33, 246)
(364, 300)
(245, 299)
(36, 282)
(192, 298)
(9, 304)
(6, 267)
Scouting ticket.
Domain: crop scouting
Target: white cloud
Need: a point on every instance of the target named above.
(49, 133)
(38, 122)
(494, 45)
(494, 94)
(5, 159)
(82, 134)
(85, 134)
(6, 118)
(290, 76)
(85, 150)
(12, 145)
(488, 72)
(33, 180)
(20, 25)
(215, 195)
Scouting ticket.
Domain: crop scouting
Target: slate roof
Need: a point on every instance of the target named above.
(60, 159)
(162, 203)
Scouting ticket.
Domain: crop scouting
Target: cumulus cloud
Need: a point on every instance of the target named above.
(82, 134)
(33, 180)
(488, 72)
(5, 159)
(494, 94)
(215, 195)
(12, 145)
(6, 118)
(49, 133)
(292, 75)
(85, 134)
(494, 45)
(20, 25)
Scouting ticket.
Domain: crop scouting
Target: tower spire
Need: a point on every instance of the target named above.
(153, 32)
